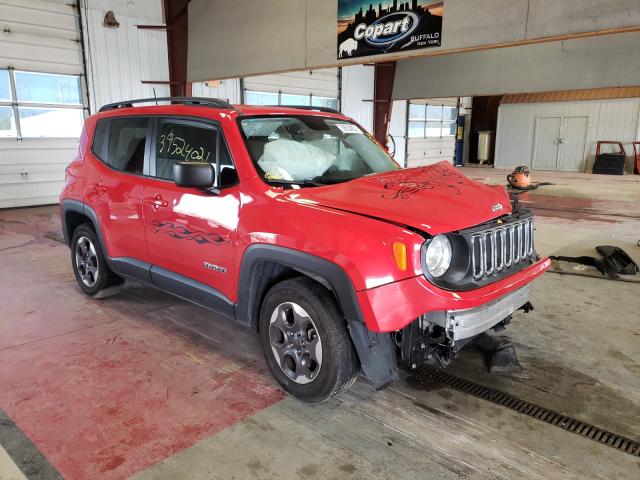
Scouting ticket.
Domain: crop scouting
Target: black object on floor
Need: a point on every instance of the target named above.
(614, 262)
(609, 164)
(499, 353)
(617, 261)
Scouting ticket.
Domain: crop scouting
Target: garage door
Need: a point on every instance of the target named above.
(309, 87)
(432, 129)
(41, 100)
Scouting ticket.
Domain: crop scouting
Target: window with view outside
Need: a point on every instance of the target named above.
(312, 150)
(287, 99)
(7, 122)
(266, 98)
(5, 86)
(432, 121)
(261, 98)
(46, 105)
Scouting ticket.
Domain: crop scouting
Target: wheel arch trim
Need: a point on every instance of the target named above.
(376, 351)
(69, 205)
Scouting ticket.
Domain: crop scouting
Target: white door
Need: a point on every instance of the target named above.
(571, 149)
(560, 143)
(547, 137)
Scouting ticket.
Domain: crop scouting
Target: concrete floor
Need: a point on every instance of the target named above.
(144, 385)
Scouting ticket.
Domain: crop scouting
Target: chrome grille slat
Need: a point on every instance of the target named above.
(501, 247)
(488, 258)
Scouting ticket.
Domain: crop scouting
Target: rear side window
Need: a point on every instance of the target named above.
(101, 139)
(188, 142)
(120, 143)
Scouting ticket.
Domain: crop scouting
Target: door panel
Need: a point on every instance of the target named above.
(545, 150)
(115, 186)
(571, 156)
(117, 200)
(192, 233)
(189, 231)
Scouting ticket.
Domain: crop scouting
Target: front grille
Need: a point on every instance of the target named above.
(501, 247)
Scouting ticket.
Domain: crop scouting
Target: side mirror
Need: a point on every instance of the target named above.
(194, 174)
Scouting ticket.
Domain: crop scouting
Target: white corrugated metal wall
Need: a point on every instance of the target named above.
(398, 130)
(430, 150)
(228, 90)
(119, 59)
(41, 36)
(616, 120)
(357, 94)
(321, 83)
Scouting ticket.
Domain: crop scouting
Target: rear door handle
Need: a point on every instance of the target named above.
(100, 187)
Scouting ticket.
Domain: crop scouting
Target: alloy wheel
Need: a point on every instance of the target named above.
(295, 343)
(87, 261)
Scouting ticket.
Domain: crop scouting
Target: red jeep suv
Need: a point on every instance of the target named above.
(295, 222)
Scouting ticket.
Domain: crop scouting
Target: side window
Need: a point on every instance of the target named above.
(186, 142)
(120, 143)
(127, 139)
(101, 140)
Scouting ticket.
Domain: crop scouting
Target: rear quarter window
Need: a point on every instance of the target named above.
(120, 143)
(100, 140)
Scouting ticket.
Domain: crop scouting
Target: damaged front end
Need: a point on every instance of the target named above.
(437, 337)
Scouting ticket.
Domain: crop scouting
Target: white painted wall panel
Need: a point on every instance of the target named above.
(398, 130)
(427, 151)
(42, 160)
(322, 83)
(120, 58)
(228, 90)
(357, 93)
(608, 120)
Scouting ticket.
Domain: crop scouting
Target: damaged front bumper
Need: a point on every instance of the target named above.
(462, 324)
(437, 337)
(394, 306)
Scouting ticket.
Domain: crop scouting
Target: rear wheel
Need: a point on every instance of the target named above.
(89, 266)
(305, 340)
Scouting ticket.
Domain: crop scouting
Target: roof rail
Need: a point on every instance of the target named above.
(307, 107)
(204, 101)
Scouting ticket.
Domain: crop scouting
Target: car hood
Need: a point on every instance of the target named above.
(435, 199)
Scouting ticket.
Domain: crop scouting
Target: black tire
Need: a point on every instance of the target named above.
(104, 278)
(339, 364)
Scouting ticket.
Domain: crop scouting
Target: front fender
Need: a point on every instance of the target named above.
(376, 352)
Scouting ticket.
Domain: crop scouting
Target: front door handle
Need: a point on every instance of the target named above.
(157, 202)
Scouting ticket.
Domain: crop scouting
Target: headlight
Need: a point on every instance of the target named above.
(438, 255)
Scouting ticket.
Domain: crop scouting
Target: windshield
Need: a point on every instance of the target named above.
(310, 150)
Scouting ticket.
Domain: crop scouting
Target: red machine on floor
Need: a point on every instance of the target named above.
(636, 151)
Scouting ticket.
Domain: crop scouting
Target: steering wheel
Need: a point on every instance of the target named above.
(391, 145)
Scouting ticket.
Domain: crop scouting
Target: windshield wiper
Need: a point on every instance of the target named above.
(333, 181)
(302, 183)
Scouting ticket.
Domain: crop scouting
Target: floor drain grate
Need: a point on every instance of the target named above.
(573, 425)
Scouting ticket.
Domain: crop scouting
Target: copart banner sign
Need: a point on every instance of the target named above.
(391, 27)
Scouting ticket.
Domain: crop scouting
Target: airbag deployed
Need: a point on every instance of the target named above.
(291, 160)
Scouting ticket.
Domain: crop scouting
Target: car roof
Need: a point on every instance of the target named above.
(207, 107)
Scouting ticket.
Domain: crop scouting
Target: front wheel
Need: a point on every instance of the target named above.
(305, 340)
